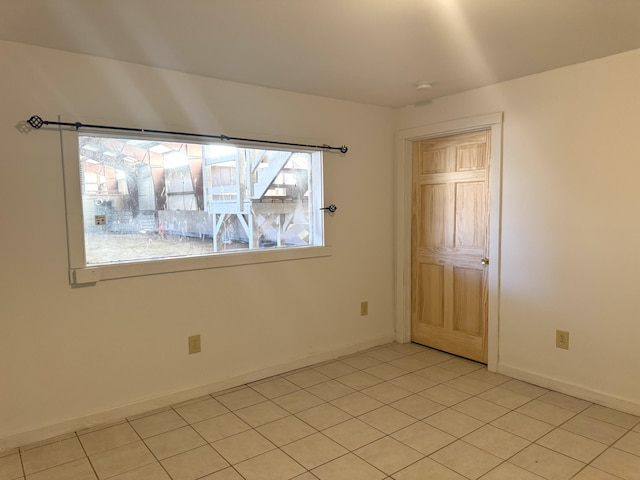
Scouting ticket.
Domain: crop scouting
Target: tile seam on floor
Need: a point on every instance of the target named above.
(93, 468)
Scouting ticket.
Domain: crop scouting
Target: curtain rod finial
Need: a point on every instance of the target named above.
(35, 121)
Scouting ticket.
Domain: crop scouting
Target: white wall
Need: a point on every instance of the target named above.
(68, 354)
(570, 223)
(570, 237)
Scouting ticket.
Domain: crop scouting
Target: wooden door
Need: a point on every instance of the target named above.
(449, 243)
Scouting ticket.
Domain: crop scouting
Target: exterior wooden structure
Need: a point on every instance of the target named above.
(251, 188)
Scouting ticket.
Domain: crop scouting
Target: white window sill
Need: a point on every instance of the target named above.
(93, 274)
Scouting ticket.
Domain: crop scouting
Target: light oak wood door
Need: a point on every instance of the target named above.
(449, 243)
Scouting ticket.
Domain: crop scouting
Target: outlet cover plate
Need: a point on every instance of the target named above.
(194, 344)
(562, 339)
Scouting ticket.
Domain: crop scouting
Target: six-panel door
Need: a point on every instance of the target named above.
(449, 238)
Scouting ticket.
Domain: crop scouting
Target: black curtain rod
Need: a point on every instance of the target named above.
(37, 122)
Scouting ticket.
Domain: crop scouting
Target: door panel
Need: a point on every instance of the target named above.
(468, 304)
(435, 199)
(449, 240)
(471, 221)
(434, 161)
(431, 281)
(471, 157)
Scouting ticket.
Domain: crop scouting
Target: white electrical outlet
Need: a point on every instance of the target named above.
(194, 344)
(562, 339)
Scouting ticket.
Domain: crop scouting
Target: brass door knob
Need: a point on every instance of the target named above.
(485, 261)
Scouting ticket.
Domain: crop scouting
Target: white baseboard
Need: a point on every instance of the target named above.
(72, 425)
(601, 398)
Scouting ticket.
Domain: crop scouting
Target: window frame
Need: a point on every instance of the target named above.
(81, 273)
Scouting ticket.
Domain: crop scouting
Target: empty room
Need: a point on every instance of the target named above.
(278, 239)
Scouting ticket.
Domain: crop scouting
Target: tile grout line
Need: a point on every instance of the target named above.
(24, 472)
(86, 455)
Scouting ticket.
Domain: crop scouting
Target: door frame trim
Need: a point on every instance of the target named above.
(403, 189)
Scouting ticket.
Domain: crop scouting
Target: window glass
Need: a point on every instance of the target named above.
(148, 199)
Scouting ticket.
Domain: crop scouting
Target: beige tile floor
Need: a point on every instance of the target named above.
(402, 412)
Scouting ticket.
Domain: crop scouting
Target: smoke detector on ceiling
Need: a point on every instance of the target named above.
(424, 85)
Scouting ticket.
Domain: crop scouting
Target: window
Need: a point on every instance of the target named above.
(158, 201)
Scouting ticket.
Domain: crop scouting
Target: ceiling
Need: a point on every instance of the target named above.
(367, 51)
